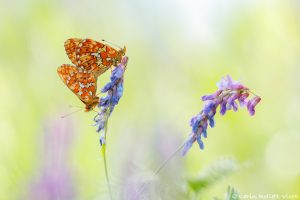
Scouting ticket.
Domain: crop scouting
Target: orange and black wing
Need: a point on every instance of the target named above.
(95, 56)
(84, 85)
(71, 46)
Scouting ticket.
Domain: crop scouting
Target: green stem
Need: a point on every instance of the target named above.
(103, 148)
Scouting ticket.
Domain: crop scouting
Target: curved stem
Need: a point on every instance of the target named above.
(103, 148)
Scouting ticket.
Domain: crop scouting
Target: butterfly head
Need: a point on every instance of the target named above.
(91, 105)
(123, 51)
(119, 56)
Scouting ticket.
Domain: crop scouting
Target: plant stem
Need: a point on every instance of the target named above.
(160, 168)
(103, 148)
(167, 160)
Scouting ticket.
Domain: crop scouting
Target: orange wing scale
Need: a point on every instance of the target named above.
(70, 47)
(91, 59)
(96, 56)
(84, 85)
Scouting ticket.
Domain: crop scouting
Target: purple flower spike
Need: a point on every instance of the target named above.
(229, 84)
(252, 103)
(114, 90)
(201, 145)
(212, 96)
(223, 108)
(228, 94)
(188, 144)
(243, 99)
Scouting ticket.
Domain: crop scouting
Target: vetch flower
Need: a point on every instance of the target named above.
(228, 94)
(252, 103)
(114, 91)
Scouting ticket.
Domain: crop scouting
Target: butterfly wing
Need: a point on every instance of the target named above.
(71, 47)
(84, 85)
(95, 56)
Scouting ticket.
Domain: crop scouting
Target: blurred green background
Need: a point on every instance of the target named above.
(177, 52)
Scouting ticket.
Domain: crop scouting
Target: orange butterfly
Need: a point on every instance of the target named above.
(90, 59)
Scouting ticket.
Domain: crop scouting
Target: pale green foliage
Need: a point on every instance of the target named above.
(212, 174)
(232, 194)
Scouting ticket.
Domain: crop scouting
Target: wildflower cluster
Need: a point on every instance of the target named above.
(227, 95)
(114, 90)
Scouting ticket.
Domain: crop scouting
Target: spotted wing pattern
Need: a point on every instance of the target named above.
(71, 47)
(82, 84)
(95, 56)
(91, 59)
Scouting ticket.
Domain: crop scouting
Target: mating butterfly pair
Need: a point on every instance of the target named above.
(90, 59)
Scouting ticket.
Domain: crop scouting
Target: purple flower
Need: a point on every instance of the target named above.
(114, 91)
(252, 103)
(229, 84)
(54, 180)
(228, 94)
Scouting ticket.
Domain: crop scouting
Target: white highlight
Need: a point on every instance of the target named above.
(81, 85)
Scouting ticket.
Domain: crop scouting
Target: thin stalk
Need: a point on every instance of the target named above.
(160, 168)
(103, 148)
(167, 160)
(253, 93)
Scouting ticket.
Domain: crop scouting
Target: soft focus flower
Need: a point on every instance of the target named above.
(228, 94)
(54, 179)
(114, 90)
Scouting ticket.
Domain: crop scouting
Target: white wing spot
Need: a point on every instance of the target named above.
(95, 54)
(81, 85)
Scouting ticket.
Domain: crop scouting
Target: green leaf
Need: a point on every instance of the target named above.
(212, 174)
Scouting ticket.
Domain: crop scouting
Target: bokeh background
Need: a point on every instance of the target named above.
(178, 50)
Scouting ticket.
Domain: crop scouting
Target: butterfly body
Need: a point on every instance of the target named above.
(90, 59)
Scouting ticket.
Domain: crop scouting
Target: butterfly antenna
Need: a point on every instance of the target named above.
(64, 116)
(112, 44)
(71, 106)
(95, 111)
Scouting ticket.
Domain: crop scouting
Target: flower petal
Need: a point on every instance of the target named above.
(200, 143)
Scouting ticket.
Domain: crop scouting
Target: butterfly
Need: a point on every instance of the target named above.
(90, 59)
